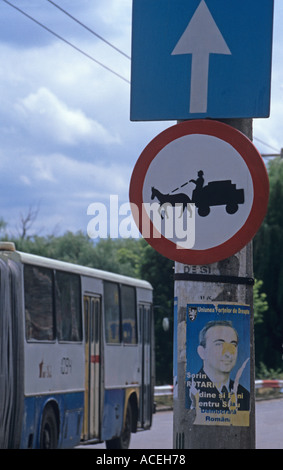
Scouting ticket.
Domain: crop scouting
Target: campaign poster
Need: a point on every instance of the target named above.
(218, 363)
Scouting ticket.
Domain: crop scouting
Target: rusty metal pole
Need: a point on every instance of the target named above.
(230, 283)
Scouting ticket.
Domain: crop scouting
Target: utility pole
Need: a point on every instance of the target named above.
(214, 397)
(200, 421)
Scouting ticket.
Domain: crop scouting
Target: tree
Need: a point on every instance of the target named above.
(268, 266)
(3, 226)
(260, 302)
(158, 270)
(136, 258)
(27, 221)
(120, 255)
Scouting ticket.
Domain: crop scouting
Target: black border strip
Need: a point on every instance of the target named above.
(249, 281)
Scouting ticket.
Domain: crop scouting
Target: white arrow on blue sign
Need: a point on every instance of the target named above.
(197, 59)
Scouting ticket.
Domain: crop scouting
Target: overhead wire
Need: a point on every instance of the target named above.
(267, 145)
(88, 55)
(90, 30)
(67, 42)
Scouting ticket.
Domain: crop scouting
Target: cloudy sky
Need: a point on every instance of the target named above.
(66, 140)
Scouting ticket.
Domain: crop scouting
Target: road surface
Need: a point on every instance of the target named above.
(269, 424)
(269, 429)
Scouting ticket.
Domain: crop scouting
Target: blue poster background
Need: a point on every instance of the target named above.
(198, 315)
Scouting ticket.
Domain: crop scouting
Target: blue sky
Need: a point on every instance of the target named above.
(66, 139)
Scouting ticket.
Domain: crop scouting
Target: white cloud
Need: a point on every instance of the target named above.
(66, 137)
(45, 114)
(42, 170)
(25, 180)
(79, 179)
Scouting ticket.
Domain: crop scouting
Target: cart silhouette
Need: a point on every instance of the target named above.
(218, 193)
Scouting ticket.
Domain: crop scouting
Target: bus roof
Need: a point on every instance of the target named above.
(36, 260)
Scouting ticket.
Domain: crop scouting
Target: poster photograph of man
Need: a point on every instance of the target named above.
(218, 366)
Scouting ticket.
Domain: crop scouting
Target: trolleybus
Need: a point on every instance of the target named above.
(76, 354)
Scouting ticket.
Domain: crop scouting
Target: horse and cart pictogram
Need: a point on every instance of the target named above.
(215, 193)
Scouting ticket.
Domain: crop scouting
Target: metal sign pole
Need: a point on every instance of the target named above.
(214, 392)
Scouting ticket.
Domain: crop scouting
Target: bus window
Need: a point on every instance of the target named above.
(38, 303)
(112, 312)
(68, 306)
(129, 323)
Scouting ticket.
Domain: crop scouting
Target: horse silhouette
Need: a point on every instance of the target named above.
(172, 200)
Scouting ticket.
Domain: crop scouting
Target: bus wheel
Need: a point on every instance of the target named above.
(123, 441)
(49, 430)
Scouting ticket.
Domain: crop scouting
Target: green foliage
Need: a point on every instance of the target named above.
(138, 259)
(260, 302)
(129, 257)
(268, 266)
(120, 256)
(263, 373)
(158, 270)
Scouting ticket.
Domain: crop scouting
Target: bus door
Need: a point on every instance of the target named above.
(92, 315)
(146, 404)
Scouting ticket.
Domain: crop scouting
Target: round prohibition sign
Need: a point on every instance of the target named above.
(220, 171)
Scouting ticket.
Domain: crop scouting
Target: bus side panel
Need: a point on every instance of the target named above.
(54, 367)
(29, 423)
(70, 413)
(114, 402)
(122, 366)
(71, 428)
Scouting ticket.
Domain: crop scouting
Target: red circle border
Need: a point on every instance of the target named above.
(256, 167)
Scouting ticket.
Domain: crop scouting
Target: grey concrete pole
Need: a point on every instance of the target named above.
(230, 283)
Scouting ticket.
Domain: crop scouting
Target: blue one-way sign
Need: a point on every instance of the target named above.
(201, 58)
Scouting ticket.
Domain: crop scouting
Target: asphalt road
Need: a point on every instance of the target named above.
(269, 424)
(269, 429)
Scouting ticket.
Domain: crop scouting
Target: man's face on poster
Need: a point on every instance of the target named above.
(221, 349)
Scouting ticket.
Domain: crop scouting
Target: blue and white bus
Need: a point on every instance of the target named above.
(76, 354)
